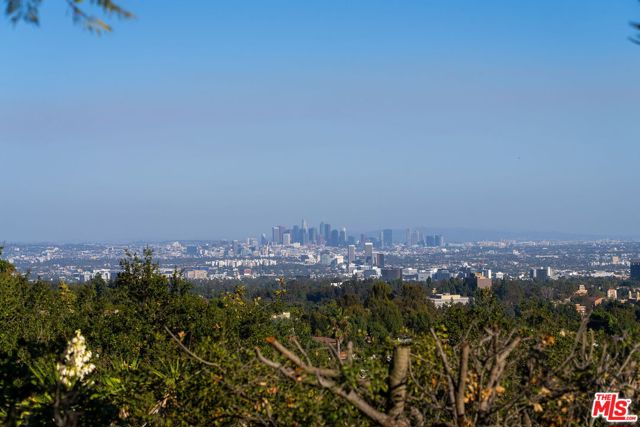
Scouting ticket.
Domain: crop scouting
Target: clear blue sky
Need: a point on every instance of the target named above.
(212, 119)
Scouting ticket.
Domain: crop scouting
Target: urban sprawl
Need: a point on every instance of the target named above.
(325, 252)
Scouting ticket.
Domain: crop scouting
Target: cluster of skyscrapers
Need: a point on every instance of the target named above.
(328, 236)
(417, 238)
(304, 235)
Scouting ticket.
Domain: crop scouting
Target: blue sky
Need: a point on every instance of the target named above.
(217, 119)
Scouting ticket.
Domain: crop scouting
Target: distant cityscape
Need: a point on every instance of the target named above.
(325, 235)
(327, 252)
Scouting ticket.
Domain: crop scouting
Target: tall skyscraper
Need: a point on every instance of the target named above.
(387, 238)
(439, 240)
(304, 233)
(416, 238)
(407, 236)
(431, 241)
(326, 233)
(342, 237)
(351, 255)
(286, 238)
(334, 240)
(313, 235)
(368, 253)
(276, 235)
(635, 269)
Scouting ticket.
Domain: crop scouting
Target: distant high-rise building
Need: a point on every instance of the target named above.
(334, 240)
(304, 233)
(379, 260)
(387, 238)
(635, 269)
(438, 240)
(416, 238)
(342, 238)
(276, 235)
(368, 253)
(431, 241)
(263, 240)
(478, 280)
(286, 238)
(351, 256)
(541, 273)
(326, 233)
(407, 236)
(295, 234)
(313, 235)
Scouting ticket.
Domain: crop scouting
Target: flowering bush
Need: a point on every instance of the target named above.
(76, 363)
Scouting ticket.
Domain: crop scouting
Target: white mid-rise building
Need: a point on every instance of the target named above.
(441, 300)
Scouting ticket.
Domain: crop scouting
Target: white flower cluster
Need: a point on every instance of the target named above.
(76, 364)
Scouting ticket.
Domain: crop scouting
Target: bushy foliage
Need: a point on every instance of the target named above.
(161, 354)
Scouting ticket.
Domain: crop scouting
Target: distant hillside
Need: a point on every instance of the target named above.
(458, 235)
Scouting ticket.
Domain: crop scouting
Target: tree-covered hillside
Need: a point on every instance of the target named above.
(146, 349)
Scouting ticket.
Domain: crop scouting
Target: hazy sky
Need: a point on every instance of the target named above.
(212, 119)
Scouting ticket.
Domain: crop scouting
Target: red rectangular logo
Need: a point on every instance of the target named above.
(612, 408)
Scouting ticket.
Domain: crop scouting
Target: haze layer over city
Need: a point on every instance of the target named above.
(486, 116)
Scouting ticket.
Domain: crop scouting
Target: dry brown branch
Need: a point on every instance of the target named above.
(449, 373)
(309, 369)
(189, 352)
(462, 384)
(327, 379)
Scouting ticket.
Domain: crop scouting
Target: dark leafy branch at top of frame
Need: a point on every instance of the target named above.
(28, 11)
(636, 38)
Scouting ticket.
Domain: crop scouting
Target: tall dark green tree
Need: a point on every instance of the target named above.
(5, 266)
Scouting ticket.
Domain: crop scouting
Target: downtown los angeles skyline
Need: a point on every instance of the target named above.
(219, 124)
(330, 234)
